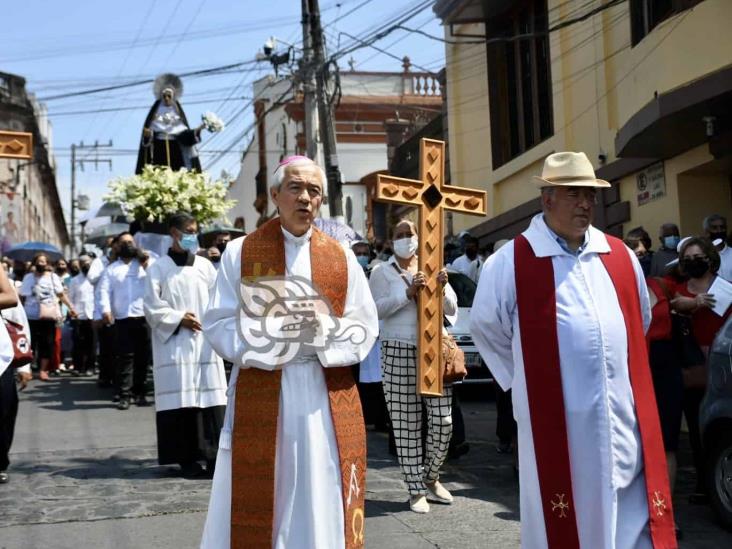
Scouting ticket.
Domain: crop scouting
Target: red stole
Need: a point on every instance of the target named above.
(537, 310)
(257, 405)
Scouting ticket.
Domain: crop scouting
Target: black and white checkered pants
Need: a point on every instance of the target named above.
(399, 366)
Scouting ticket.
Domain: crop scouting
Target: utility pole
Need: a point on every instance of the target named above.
(74, 161)
(325, 113)
(308, 84)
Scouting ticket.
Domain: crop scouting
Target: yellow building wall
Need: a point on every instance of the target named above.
(598, 83)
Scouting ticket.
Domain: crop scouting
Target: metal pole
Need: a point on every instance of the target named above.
(73, 200)
(306, 70)
(325, 112)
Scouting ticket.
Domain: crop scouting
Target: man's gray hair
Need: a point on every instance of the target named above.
(708, 220)
(279, 174)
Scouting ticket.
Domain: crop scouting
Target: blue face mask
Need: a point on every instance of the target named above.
(189, 242)
(670, 242)
(363, 260)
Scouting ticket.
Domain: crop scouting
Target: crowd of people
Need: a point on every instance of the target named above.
(118, 314)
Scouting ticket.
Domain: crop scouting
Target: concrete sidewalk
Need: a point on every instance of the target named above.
(85, 475)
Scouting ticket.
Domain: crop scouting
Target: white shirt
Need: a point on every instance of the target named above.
(469, 267)
(81, 295)
(398, 313)
(187, 372)
(307, 469)
(122, 289)
(725, 265)
(604, 442)
(40, 289)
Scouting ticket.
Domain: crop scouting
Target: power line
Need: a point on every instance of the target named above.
(202, 72)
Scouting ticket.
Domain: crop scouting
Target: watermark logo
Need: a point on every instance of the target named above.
(282, 318)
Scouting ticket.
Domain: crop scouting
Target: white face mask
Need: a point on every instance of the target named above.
(405, 247)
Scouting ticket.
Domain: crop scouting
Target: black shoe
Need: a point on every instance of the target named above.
(123, 404)
(115, 398)
(458, 450)
(142, 401)
(4, 479)
(191, 470)
(504, 447)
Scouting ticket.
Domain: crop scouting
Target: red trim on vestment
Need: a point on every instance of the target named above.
(660, 508)
(537, 313)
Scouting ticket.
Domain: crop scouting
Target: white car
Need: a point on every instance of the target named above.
(465, 289)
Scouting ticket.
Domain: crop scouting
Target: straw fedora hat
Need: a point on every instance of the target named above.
(568, 169)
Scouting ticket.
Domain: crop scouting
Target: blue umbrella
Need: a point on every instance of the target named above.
(28, 250)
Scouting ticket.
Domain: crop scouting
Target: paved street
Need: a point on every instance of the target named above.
(85, 475)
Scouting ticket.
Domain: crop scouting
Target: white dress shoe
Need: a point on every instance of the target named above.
(437, 492)
(419, 504)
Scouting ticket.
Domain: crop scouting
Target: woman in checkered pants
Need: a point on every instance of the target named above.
(394, 286)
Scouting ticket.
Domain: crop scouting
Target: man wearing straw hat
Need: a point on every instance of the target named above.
(560, 315)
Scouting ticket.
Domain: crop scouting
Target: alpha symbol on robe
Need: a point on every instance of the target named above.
(353, 485)
(560, 505)
(659, 503)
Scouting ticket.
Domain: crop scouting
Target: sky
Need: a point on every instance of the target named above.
(65, 46)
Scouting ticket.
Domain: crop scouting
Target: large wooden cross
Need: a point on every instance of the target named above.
(431, 195)
(16, 145)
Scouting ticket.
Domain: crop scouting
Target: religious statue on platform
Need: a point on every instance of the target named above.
(167, 138)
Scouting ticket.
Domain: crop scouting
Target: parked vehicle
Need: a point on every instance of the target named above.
(464, 287)
(715, 422)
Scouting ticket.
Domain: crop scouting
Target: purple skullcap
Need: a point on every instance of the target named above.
(290, 159)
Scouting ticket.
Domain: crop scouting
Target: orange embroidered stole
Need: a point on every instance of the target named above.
(254, 438)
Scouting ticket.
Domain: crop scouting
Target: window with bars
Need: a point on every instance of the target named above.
(645, 15)
(519, 80)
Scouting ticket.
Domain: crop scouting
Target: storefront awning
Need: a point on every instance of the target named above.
(676, 121)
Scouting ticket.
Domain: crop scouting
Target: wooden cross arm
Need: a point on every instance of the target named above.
(16, 145)
(398, 190)
(462, 200)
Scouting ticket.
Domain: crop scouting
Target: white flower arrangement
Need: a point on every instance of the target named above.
(212, 122)
(159, 192)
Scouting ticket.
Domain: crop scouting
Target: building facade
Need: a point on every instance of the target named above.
(631, 84)
(30, 206)
(367, 101)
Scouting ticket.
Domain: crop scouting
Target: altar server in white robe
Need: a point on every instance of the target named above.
(615, 455)
(190, 383)
(312, 503)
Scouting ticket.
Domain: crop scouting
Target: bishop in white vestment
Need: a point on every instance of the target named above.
(190, 382)
(606, 450)
(308, 491)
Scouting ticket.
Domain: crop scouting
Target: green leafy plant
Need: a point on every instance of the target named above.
(159, 192)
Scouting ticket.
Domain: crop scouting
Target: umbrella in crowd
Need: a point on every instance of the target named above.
(208, 235)
(98, 235)
(338, 230)
(106, 209)
(28, 250)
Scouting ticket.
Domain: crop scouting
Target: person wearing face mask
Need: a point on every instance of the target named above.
(642, 248)
(81, 295)
(214, 256)
(121, 296)
(40, 293)
(394, 286)
(699, 261)
(104, 335)
(363, 254)
(669, 237)
(469, 263)
(190, 383)
(222, 239)
(715, 228)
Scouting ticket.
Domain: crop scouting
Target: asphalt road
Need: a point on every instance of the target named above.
(85, 475)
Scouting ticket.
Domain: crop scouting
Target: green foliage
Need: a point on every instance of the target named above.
(159, 192)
